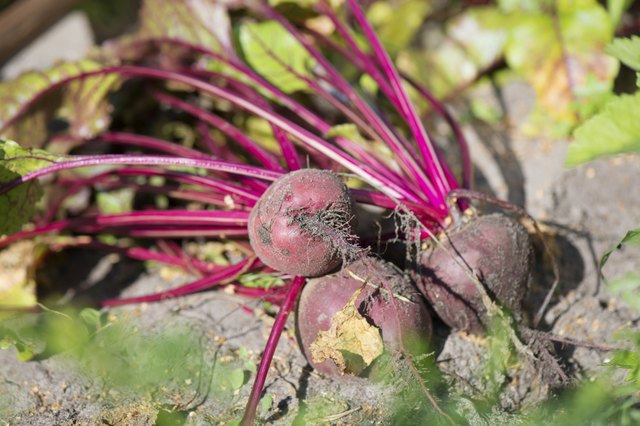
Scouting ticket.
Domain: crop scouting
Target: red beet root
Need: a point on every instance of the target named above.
(498, 251)
(403, 323)
(302, 222)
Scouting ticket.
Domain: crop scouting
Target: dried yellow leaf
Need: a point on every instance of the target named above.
(351, 342)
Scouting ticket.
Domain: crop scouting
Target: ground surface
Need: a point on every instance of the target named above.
(584, 211)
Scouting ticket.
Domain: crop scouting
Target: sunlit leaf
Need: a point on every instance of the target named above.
(92, 318)
(559, 49)
(348, 130)
(115, 202)
(31, 104)
(18, 205)
(627, 50)
(256, 280)
(195, 23)
(632, 237)
(628, 360)
(615, 130)
(276, 55)
(397, 22)
(627, 288)
(454, 56)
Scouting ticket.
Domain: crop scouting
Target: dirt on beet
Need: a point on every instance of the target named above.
(582, 211)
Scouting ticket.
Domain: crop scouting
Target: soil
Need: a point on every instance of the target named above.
(583, 212)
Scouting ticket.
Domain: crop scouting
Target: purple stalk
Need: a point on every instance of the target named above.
(287, 148)
(251, 146)
(421, 210)
(38, 230)
(220, 277)
(269, 350)
(400, 148)
(303, 112)
(362, 61)
(441, 109)
(135, 227)
(179, 232)
(289, 153)
(169, 217)
(311, 140)
(138, 253)
(149, 160)
(216, 185)
(151, 143)
(358, 150)
(321, 91)
(434, 168)
(271, 296)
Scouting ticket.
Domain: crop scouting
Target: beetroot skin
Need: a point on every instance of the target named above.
(409, 327)
(300, 222)
(497, 249)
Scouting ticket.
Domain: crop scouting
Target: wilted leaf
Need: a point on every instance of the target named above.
(276, 55)
(33, 101)
(17, 206)
(559, 48)
(351, 342)
(615, 130)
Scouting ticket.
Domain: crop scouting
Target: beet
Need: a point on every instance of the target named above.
(497, 249)
(302, 223)
(404, 323)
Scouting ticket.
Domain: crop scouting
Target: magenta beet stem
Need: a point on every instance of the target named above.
(217, 278)
(427, 150)
(270, 348)
(249, 145)
(150, 142)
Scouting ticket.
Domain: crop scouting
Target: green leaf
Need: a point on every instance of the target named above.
(627, 360)
(265, 403)
(236, 378)
(397, 22)
(455, 55)
(30, 103)
(627, 50)
(347, 130)
(559, 50)
(92, 319)
(616, 8)
(276, 55)
(632, 237)
(199, 23)
(115, 202)
(615, 130)
(17, 206)
(627, 287)
(265, 281)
